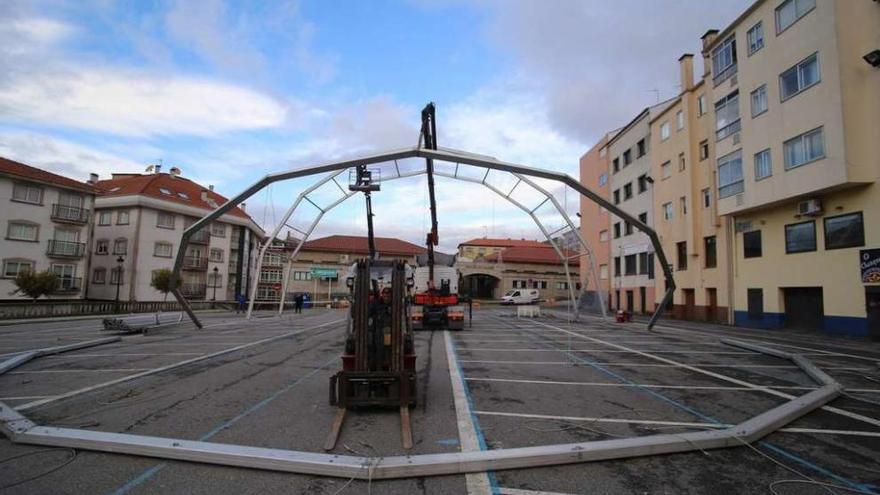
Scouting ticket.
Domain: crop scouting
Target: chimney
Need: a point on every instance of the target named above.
(211, 187)
(93, 178)
(708, 39)
(157, 168)
(243, 207)
(686, 71)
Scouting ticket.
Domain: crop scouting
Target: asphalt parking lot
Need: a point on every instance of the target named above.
(264, 383)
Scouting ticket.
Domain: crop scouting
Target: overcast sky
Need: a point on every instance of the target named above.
(230, 91)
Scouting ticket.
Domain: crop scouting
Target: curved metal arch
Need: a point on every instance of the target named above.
(444, 155)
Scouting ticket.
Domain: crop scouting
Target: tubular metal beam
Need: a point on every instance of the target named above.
(21, 430)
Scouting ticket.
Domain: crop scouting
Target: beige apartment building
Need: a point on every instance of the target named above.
(594, 171)
(47, 226)
(139, 221)
(797, 155)
(692, 233)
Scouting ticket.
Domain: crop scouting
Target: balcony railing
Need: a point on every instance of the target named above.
(725, 74)
(71, 214)
(195, 263)
(200, 237)
(68, 284)
(66, 249)
(193, 289)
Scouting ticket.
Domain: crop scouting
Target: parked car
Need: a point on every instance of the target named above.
(521, 296)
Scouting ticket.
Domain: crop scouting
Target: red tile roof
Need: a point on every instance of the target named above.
(503, 243)
(544, 255)
(152, 185)
(20, 170)
(359, 245)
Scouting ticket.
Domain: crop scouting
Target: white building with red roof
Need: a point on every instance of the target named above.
(139, 220)
(46, 219)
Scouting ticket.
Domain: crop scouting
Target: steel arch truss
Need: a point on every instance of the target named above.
(523, 174)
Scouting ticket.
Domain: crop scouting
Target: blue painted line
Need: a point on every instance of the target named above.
(790, 455)
(493, 481)
(149, 473)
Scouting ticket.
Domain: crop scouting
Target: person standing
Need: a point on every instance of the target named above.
(298, 303)
(239, 298)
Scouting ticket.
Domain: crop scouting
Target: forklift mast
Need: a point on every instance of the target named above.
(363, 181)
(429, 141)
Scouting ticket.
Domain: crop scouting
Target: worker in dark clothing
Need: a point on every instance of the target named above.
(240, 300)
(298, 303)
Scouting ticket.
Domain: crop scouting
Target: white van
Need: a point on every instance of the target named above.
(521, 296)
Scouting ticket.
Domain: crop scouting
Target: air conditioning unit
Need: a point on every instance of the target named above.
(810, 208)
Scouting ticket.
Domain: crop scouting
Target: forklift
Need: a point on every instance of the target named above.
(378, 363)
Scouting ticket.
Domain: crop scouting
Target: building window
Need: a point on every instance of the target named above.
(701, 105)
(755, 38)
(120, 246)
(629, 264)
(642, 149)
(727, 116)
(617, 196)
(603, 236)
(102, 246)
(682, 251)
(302, 275)
(162, 249)
(603, 272)
(27, 193)
(763, 165)
(643, 263)
(681, 162)
(617, 230)
(756, 303)
(122, 217)
(710, 248)
(617, 266)
(803, 149)
(752, 244)
(679, 120)
(759, 101)
(682, 201)
(800, 237)
(22, 231)
(561, 285)
(165, 220)
(799, 78)
(627, 228)
(627, 157)
(643, 183)
(791, 11)
(704, 150)
(707, 197)
(218, 229)
(603, 179)
(664, 131)
(11, 268)
(844, 231)
(117, 276)
(724, 60)
(667, 211)
(627, 191)
(643, 217)
(730, 175)
(616, 165)
(215, 255)
(99, 276)
(665, 170)
(104, 217)
(270, 276)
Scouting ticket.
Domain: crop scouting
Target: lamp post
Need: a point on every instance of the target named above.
(214, 298)
(119, 260)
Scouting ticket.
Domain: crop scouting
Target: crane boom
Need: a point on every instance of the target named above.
(429, 141)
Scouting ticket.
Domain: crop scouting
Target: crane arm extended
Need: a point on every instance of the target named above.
(429, 141)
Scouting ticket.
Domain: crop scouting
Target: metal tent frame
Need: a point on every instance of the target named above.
(523, 174)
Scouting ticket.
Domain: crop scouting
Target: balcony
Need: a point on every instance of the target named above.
(195, 263)
(65, 249)
(66, 285)
(70, 214)
(193, 290)
(200, 237)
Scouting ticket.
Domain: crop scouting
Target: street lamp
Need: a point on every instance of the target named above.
(214, 299)
(119, 260)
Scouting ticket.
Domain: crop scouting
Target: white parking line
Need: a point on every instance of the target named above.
(104, 370)
(659, 386)
(71, 356)
(520, 491)
(653, 365)
(714, 353)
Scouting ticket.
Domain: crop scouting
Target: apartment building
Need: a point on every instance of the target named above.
(477, 249)
(46, 218)
(139, 220)
(277, 255)
(692, 233)
(631, 252)
(797, 139)
(595, 167)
